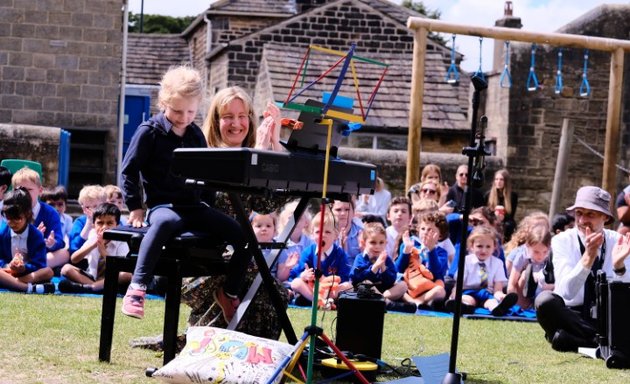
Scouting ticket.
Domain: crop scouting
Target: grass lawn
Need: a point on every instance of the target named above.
(54, 339)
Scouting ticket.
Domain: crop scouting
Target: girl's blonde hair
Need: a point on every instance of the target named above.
(539, 234)
(180, 81)
(506, 193)
(524, 227)
(287, 212)
(212, 123)
(479, 232)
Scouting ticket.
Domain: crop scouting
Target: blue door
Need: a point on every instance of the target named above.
(137, 110)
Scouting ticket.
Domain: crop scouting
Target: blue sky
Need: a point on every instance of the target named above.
(536, 15)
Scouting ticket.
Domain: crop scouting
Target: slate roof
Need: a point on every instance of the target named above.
(442, 109)
(253, 6)
(150, 55)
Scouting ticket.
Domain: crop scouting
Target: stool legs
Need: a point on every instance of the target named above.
(110, 290)
(171, 314)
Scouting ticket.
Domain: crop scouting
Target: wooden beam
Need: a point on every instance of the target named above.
(613, 118)
(415, 108)
(512, 34)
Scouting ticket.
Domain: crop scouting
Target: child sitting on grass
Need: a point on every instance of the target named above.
(422, 262)
(484, 276)
(297, 242)
(58, 198)
(526, 278)
(334, 263)
(90, 197)
(377, 268)
(94, 250)
(22, 247)
(46, 218)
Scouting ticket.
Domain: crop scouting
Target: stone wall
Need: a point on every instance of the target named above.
(39, 143)
(60, 63)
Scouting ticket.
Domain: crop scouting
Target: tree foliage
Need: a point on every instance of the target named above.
(421, 8)
(430, 13)
(158, 23)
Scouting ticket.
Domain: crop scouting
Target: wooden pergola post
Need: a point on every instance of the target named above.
(615, 46)
(414, 137)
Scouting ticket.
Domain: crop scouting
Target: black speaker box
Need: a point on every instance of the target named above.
(360, 324)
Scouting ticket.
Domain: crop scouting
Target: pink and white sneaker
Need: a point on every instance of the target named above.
(133, 303)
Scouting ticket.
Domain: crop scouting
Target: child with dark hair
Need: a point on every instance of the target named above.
(22, 247)
(58, 198)
(561, 222)
(94, 250)
(46, 219)
(5, 182)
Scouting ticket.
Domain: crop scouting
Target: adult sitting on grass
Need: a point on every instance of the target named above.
(578, 254)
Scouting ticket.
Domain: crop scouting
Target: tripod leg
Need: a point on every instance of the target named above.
(291, 359)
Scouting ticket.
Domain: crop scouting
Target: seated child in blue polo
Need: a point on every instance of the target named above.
(334, 265)
(22, 247)
(484, 276)
(420, 255)
(375, 267)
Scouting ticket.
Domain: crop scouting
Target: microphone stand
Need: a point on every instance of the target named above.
(476, 164)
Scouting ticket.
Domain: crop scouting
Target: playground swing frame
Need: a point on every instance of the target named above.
(616, 47)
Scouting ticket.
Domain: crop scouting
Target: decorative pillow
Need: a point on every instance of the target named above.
(216, 355)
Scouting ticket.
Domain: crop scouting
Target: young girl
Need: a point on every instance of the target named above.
(349, 228)
(484, 276)
(298, 241)
(22, 247)
(174, 208)
(46, 218)
(375, 266)
(516, 245)
(423, 262)
(94, 250)
(526, 278)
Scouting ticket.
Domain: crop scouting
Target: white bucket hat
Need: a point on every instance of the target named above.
(593, 198)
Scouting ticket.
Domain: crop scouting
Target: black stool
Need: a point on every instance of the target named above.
(186, 255)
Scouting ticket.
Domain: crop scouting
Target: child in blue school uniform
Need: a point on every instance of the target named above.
(46, 217)
(375, 267)
(334, 264)
(484, 276)
(90, 197)
(22, 247)
(422, 262)
(58, 198)
(5, 183)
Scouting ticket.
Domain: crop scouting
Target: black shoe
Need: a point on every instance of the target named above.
(399, 306)
(563, 341)
(67, 286)
(449, 306)
(504, 306)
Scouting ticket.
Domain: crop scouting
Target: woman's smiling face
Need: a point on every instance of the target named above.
(234, 123)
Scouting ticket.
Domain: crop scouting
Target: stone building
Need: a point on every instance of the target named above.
(60, 64)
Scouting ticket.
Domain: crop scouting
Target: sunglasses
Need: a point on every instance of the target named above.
(476, 222)
(429, 191)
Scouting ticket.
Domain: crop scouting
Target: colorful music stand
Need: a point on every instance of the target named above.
(327, 114)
